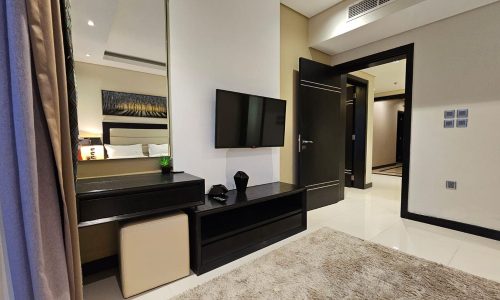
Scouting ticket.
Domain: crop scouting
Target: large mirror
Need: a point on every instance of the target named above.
(120, 53)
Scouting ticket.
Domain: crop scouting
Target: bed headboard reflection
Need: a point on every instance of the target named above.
(134, 133)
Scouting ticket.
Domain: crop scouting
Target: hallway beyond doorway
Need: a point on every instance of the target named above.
(392, 170)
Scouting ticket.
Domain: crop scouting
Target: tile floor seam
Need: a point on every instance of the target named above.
(386, 229)
(454, 254)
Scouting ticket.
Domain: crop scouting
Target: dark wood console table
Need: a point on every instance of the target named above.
(118, 198)
(265, 214)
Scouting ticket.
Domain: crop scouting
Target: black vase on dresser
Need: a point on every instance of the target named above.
(241, 181)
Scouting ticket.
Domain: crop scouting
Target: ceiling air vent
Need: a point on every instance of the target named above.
(365, 6)
(133, 60)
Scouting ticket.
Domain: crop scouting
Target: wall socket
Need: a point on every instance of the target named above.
(451, 185)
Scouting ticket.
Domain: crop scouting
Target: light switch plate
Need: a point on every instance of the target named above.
(462, 123)
(449, 123)
(451, 185)
(449, 114)
(463, 113)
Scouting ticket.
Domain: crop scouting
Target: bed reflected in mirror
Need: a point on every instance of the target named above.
(120, 53)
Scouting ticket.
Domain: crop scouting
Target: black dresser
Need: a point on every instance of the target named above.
(117, 198)
(265, 214)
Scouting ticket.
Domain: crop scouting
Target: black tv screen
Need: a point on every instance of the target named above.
(248, 121)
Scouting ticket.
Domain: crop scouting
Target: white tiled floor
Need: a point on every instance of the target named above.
(371, 214)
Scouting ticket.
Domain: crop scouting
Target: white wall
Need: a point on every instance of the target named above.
(457, 64)
(385, 129)
(225, 44)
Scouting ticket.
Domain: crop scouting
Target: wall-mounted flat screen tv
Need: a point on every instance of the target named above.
(248, 121)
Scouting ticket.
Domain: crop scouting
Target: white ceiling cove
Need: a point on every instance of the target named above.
(388, 77)
(310, 8)
(130, 28)
(333, 33)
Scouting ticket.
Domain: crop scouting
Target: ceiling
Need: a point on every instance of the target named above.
(334, 33)
(135, 30)
(310, 8)
(388, 77)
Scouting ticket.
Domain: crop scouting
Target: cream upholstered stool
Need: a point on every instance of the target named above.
(153, 252)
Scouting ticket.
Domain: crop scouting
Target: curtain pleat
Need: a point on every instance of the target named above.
(14, 62)
(46, 36)
(70, 82)
(29, 189)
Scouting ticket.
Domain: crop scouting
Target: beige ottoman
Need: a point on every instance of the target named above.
(153, 252)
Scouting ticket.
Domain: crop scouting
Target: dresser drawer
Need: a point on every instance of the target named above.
(138, 203)
(248, 238)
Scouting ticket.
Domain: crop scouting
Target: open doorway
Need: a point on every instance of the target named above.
(388, 120)
(321, 126)
(387, 117)
(356, 124)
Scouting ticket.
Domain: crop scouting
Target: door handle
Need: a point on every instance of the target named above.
(303, 142)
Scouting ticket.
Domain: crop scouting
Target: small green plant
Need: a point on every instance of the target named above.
(165, 161)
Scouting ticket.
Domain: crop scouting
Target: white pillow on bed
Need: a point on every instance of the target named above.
(158, 150)
(124, 151)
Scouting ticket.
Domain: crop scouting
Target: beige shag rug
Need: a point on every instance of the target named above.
(327, 264)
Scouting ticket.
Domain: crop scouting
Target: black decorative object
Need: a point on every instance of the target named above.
(241, 181)
(218, 190)
(166, 170)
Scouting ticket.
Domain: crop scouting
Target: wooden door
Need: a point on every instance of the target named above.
(321, 133)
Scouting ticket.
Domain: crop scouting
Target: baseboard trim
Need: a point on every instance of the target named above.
(454, 225)
(368, 185)
(384, 166)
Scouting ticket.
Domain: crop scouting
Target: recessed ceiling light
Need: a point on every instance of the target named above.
(90, 23)
(88, 55)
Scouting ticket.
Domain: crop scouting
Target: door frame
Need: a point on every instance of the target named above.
(360, 125)
(398, 131)
(402, 52)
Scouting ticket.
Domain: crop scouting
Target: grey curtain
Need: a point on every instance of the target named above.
(47, 48)
(33, 184)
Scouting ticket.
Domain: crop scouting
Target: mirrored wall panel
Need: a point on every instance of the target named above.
(120, 52)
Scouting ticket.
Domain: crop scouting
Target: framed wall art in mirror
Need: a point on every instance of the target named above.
(133, 105)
